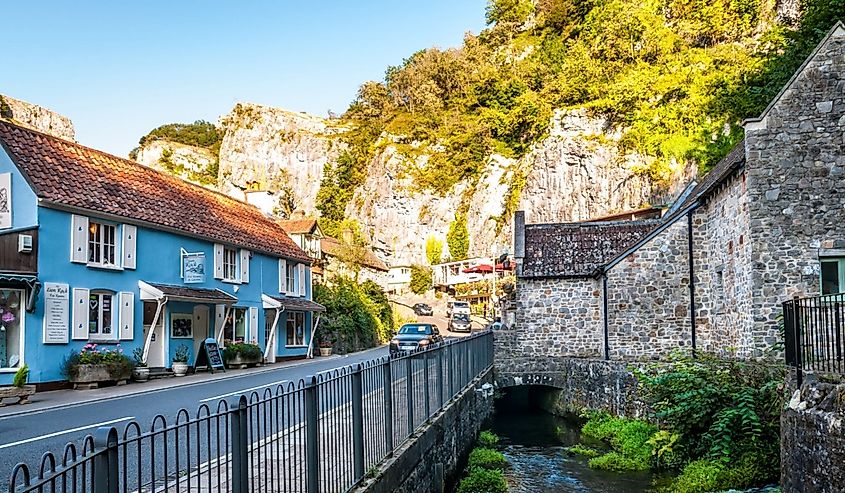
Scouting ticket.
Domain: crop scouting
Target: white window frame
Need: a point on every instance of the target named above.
(840, 263)
(305, 328)
(231, 271)
(291, 273)
(231, 319)
(22, 335)
(101, 243)
(99, 336)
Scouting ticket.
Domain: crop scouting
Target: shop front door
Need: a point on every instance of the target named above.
(155, 358)
(200, 328)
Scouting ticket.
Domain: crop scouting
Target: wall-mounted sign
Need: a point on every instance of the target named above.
(181, 326)
(193, 267)
(56, 311)
(5, 200)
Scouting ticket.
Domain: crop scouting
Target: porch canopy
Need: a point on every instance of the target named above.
(281, 304)
(151, 291)
(29, 280)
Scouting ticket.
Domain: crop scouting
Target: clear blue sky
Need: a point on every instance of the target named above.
(119, 69)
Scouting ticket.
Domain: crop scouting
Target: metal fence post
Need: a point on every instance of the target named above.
(240, 445)
(312, 452)
(358, 420)
(796, 336)
(409, 382)
(427, 384)
(388, 407)
(440, 377)
(105, 472)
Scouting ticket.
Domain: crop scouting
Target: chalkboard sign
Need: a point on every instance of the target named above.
(212, 355)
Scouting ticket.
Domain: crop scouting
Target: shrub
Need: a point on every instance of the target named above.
(458, 238)
(357, 316)
(629, 439)
(706, 475)
(421, 279)
(486, 458)
(488, 439)
(433, 250)
(615, 461)
(583, 451)
(701, 476)
(484, 481)
(118, 363)
(244, 349)
(21, 376)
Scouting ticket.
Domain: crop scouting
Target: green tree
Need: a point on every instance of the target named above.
(458, 238)
(421, 279)
(433, 250)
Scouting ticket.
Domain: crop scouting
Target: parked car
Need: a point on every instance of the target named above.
(460, 322)
(496, 326)
(453, 307)
(412, 337)
(423, 309)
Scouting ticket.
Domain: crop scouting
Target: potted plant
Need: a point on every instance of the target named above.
(325, 347)
(180, 361)
(94, 365)
(242, 354)
(141, 373)
(19, 388)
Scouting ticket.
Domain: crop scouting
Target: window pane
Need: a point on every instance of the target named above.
(240, 324)
(94, 313)
(106, 302)
(830, 277)
(11, 312)
(291, 324)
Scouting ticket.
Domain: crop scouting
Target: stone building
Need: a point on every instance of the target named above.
(765, 224)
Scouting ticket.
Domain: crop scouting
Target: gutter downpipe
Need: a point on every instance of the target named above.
(691, 280)
(160, 304)
(606, 321)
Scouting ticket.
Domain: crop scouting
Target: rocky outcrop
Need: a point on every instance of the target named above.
(36, 117)
(276, 150)
(192, 163)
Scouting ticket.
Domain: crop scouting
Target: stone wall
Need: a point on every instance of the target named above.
(433, 456)
(813, 440)
(796, 181)
(557, 317)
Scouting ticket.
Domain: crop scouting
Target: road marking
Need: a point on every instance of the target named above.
(65, 432)
(244, 391)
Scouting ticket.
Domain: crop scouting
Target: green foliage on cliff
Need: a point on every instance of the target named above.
(678, 76)
(200, 134)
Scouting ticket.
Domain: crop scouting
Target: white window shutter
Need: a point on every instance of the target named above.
(126, 316)
(218, 261)
(244, 265)
(79, 240)
(283, 275)
(129, 246)
(252, 329)
(79, 330)
(219, 313)
(301, 279)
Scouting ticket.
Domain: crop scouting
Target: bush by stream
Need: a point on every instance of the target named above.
(485, 469)
(358, 316)
(719, 425)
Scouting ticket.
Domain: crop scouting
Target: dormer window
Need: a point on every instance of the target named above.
(101, 243)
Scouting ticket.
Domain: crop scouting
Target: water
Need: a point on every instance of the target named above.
(534, 442)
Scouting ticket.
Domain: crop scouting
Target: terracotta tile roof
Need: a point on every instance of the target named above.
(333, 248)
(299, 226)
(71, 175)
(577, 249)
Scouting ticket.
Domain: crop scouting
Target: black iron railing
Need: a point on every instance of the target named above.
(320, 434)
(814, 332)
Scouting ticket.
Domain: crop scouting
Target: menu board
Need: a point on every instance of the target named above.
(212, 355)
(56, 310)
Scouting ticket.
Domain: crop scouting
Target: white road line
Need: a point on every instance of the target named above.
(244, 391)
(51, 435)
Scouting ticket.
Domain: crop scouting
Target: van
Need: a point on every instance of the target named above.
(458, 307)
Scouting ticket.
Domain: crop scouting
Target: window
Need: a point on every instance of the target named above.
(833, 276)
(101, 243)
(234, 329)
(230, 264)
(11, 327)
(100, 315)
(296, 329)
(291, 278)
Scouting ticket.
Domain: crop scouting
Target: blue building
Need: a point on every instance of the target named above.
(99, 249)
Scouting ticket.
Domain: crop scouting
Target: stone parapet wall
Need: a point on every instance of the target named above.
(433, 456)
(813, 440)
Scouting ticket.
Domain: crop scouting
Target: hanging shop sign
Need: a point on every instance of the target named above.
(193, 267)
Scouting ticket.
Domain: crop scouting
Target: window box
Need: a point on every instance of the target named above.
(90, 376)
(21, 393)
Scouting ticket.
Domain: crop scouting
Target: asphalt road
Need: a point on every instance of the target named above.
(25, 437)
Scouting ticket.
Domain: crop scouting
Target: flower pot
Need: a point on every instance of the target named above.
(91, 376)
(180, 368)
(239, 361)
(141, 374)
(325, 351)
(20, 393)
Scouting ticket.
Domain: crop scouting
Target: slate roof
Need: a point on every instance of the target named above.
(68, 174)
(569, 250)
(299, 226)
(195, 293)
(333, 248)
(299, 304)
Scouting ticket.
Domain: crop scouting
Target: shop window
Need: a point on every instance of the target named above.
(11, 327)
(833, 276)
(230, 264)
(296, 329)
(100, 315)
(234, 329)
(101, 243)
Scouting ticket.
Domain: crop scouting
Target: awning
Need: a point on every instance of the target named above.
(291, 304)
(151, 291)
(479, 269)
(29, 279)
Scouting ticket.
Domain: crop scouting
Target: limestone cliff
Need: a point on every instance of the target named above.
(36, 117)
(192, 163)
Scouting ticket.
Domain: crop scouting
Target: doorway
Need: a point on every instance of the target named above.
(155, 357)
(200, 329)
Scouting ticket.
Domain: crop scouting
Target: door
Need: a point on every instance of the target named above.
(200, 328)
(155, 358)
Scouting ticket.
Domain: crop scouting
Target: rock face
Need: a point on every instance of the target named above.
(37, 117)
(187, 162)
(276, 150)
